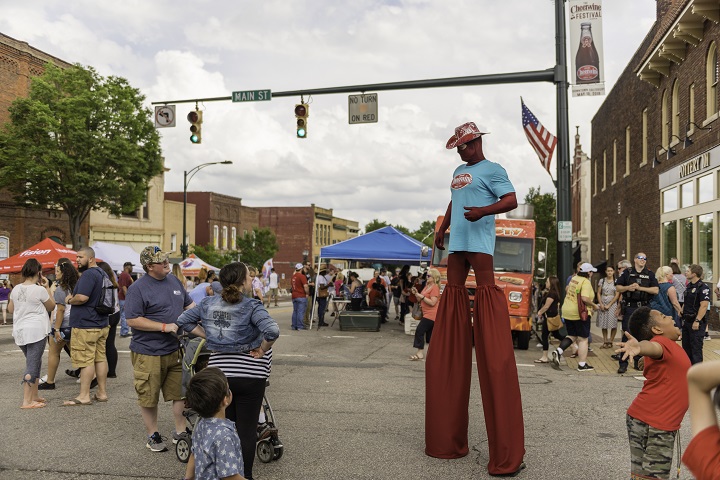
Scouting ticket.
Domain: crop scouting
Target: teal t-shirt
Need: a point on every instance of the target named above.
(477, 185)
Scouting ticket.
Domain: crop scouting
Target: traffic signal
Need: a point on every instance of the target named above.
(302, 110)
(195, 118)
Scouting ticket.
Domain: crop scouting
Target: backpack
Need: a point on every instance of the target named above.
(106, 302)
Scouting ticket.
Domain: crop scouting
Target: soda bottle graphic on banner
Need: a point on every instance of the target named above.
(587, 61)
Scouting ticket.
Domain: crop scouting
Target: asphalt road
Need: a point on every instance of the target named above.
(348, 405)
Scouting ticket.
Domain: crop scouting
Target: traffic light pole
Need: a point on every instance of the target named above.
(557, 75)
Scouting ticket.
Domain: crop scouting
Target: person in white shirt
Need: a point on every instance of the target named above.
(272, 288)
(384, 276)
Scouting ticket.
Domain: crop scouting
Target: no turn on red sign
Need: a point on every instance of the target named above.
(363, 108)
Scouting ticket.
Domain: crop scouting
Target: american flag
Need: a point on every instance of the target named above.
(539, 137)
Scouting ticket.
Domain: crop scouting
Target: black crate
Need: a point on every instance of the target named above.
(360, 321)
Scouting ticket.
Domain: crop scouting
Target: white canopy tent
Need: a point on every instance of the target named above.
(117, 255)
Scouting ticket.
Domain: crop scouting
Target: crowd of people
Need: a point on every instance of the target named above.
(80, 310)
(656, 310)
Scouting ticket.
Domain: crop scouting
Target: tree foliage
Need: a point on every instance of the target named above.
(545, 223)
(79, 142)
(213, 256)
(257, 246)
(375, 225)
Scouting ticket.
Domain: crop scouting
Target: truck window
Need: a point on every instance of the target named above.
(513, 255)
(440, 257)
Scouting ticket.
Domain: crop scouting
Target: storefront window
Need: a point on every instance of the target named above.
(705, 188)
(686, 243)
(669, 233)
(670, 200)
(705, 244)
(686, 193)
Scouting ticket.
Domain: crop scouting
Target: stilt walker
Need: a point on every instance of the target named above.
(479, 190)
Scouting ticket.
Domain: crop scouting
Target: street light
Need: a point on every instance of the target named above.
(305, 254)
(186, 179)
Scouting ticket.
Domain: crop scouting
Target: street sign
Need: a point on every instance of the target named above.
(363, 108)
(164, 116)
(251, 96)
(564, 231)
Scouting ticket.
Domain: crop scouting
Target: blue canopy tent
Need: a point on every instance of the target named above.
(386, 245)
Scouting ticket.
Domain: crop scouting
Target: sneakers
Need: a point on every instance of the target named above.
(616, 356)
(156, 443)
(177, 436)
(622, 369)
(46, 386)
(555, 360)
(585, 368)
(73, 373)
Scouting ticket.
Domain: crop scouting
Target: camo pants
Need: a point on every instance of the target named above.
(651, 450)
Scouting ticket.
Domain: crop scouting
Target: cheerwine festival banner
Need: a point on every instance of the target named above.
(586, 48)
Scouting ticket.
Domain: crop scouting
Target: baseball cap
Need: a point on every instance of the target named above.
(587, 268)
(152, 254)
(298, 266)
(128, 264)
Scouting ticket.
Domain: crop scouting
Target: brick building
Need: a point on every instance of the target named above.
(581, 206)
(301, 232)
(219, 219)
(22, 227)
(656, 146)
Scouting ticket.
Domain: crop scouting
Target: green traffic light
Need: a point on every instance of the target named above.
(301, 133)
(194, 138)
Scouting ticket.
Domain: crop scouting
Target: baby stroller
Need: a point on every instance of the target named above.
(195, 358)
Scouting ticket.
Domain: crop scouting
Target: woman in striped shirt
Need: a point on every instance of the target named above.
(240, 333)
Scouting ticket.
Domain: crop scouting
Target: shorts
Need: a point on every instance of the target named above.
(578, 328)
(87, 346)
(273, 292)
(3, 305)
(651, 449)
(153, 373)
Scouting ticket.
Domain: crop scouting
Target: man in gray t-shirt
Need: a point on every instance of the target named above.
(152, 305)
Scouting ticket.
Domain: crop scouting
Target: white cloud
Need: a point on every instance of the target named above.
(397, 170)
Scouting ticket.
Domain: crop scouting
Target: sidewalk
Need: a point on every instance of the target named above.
(600, 358)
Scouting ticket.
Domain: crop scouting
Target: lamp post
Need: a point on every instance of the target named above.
(305, 256)
(188, 174)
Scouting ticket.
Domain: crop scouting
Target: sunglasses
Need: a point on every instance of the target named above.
(641, 258)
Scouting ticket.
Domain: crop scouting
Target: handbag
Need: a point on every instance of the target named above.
(416, 311)
(554, 323)
(582, 308)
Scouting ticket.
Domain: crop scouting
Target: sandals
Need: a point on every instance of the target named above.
(75, 403)
(541, 361)
(34, 405)
(415, 358)
(98, 399)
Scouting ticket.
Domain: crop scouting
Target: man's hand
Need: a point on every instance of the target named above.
(630, 349)
(695, 325)
(473, 214)
(440, 240)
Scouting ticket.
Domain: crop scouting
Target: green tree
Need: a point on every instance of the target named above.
(375, 225)
(545, 223)
(79, 142)
(425, 232)
(213, 256)
(257, 246)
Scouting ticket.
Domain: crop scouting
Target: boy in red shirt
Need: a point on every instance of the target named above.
(655, 415)
(702, 455)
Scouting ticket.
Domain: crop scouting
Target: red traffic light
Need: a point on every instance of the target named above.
(193, 117)
(300, 110)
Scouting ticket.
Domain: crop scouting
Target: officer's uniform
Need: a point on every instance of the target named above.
(692, 340)
(634, 300)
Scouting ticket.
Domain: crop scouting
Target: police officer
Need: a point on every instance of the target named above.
(637, 286)
(697, 299)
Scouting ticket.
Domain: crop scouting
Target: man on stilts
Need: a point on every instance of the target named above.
(479, 190)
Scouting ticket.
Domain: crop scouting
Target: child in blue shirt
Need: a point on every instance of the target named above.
(216, 452)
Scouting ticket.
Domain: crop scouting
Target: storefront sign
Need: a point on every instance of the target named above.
(695, 165)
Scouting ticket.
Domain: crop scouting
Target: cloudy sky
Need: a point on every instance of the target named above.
(396, 170)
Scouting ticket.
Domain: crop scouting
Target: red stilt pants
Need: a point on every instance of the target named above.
(449, 365)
